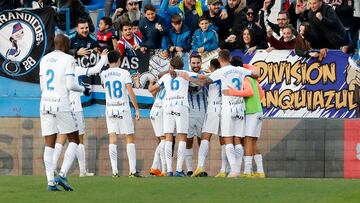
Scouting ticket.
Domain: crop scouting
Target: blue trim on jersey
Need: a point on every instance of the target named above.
(198, 101)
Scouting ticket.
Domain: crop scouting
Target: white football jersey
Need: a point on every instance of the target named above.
(115, 81)
(197, 97)
(159, 98)
(233, 77)
(54, 68)
(214, 94)
(80, 73)
(176, 89)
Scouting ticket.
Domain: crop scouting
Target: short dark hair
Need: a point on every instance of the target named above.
(113, 56)
(203, 17)
(215, 63)
(236, 61)
(150, 7)
(177, 63)
(195, 55)
(291, 28)
(225, 55)
(107, 20)
(285, 13)
(125, 23)
(176, 19)
(135, 23)
(81, 21)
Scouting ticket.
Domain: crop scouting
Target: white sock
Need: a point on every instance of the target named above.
(231, 156)
(80, 155)
(69, 157)
(168, 155)
(49, 168)
(248, 164)
(156, 161)
(188, 159)
(203, 150)
(162, 156)
(56, 155)
(223, 159)
(180, 156)
(131, 152)
(239, 151)
(113, 157)
(259, 163)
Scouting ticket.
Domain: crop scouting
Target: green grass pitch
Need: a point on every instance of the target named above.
(166, 189)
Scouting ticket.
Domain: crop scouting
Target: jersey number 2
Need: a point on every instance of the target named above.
(116, 86)
(51, 74)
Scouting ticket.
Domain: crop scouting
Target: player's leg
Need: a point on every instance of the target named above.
(259, 163)
(189, 154)
(224, 161)
(203, 151)
(131, 153)
(80, 152)
(182, 129)
(180, 154)
(168, 153)
(155, 166)
(162, 155)
(248, 156)
(67, 125)
(113, 154)
(239, 152)
(60, 141)
(48, 161)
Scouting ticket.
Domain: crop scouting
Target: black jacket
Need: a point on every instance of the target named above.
(329, 32)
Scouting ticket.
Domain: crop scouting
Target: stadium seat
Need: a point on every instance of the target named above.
(95, 4)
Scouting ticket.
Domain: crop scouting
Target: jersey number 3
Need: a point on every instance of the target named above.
(117, 89)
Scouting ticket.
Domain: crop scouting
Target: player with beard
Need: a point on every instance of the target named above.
(197, 104)
(232, 108)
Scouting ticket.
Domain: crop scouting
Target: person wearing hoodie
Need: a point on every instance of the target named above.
(205, 39)
(152, 29)
(179, 38)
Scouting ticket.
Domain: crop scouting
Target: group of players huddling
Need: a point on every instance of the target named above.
(224, 102)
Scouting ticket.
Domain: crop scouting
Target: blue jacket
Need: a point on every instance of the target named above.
(150, 35)
(182, 39)
(208, 39)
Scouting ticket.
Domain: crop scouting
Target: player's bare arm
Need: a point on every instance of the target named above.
(133, 101)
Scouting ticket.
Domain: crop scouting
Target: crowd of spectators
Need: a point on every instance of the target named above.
(310, 27)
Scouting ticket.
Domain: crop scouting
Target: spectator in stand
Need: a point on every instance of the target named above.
(286, 41)
(256, 5)
(231, 7)
(351, 47)
(205, 38)
(213, 14)
(82, 42)
(326, 26)
(109, 4)
(246, 42)
(283, 21)
(165, 13)
(239, 19)
(344, 10)
(42, 3)
(106, 34)
(355, 26)
(133, 13)
(152, 28)
(136, 27)
(303, 46)
(179, 38)
(190, 10)
(260, 35)
(129, 41)
(77, 11)
(298, 12)
(10, 4)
